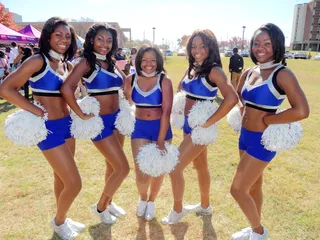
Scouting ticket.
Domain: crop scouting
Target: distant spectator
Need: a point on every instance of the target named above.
(235, 67)
(13, 53)
(133, 56)
(119, 55)
(309, 56)
(27, 52)
(3, 66)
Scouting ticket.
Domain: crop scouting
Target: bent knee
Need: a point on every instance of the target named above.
(237, 191)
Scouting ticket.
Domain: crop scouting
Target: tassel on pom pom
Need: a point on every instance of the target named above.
(200, 112)
(125, 120)
(177, 120)
(178, 105)
(90, 128)
(151, 161)
(234, 119)
(25, 128)
(204, 136)
(281, 137)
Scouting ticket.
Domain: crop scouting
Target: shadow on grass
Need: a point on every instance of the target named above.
(208, 231)
(6, 106)
(55, 237)
(100, 231)
(179, 230)
(155, 230)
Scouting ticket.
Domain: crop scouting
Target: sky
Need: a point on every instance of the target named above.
(171, 18)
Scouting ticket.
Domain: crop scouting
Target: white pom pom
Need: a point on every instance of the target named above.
(25, 128)
(200, 112)
(153, 163)
(90, 128)
(280, 137)
(177, 120)
(125, 120)
(179, 103)
(234, 118)
(204, 136)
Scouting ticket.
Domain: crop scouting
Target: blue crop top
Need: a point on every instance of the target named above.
(47, 82)
(102, 82)
(199, 88)
(266, 96)
(150, 99)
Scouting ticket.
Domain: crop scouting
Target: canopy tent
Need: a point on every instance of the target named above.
(30, 31)
(8, 35)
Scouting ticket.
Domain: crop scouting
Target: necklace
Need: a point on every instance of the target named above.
(100, 56)
(268, 65)
(55, 55)
(149, 74)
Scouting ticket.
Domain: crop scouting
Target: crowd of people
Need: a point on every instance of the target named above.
(53, 80)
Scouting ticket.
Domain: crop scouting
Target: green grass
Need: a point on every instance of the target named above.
(291, 184)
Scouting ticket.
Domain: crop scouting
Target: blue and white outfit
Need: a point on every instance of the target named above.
(148, 129)
(266, 97)
(198, 88)
(47, 83)
(101, 82)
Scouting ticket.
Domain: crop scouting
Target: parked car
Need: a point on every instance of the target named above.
(228, 53)
(169, 53)
(245, 53)
(317, 56)
(300, 55)
(288, 54)
(181, 52)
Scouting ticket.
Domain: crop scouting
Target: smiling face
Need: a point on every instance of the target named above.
(262, 48)
(102, 42)
(60, 39)
(149, 62)
(198, 50)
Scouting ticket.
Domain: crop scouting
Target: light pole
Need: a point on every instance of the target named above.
(154, 34)
(243, 27)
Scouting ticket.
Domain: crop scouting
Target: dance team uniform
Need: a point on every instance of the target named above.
(266, 97)
(199, 88)
(148, 129)
(47, 82)
(101, 82)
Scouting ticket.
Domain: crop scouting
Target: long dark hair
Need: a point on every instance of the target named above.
(44, 41)
(27, 52)
(159, 59)
(213, 59)
(88, 46)
(277, 39)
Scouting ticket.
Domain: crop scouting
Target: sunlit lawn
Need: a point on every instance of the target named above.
(291, 184)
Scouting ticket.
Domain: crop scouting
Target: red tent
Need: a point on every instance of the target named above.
(8, 35)
(30, 31)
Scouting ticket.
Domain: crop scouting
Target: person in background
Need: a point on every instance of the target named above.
(4, 67)
(46, 72)
(235, 67)
(133, 56)
(13, 54)
(119, 55)
(261, 90)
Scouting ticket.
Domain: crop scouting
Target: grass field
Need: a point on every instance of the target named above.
(291, 184)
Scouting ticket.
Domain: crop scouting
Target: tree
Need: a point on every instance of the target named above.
(6, 18)
(182, 42)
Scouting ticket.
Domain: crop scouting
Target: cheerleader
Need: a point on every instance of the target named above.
(46, 72)
(97, 69)
(151, 92)
(201, 82)
(262, 89)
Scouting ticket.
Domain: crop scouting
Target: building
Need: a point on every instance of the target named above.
(306, 27)
(81, 28)
(16, 17)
